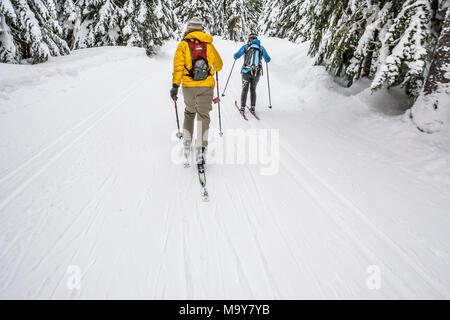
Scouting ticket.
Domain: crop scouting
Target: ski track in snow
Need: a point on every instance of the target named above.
(376, 231)
(355, 213)
(102, 193)
(49, 160)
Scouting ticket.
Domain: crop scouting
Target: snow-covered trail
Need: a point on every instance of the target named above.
(87, 180)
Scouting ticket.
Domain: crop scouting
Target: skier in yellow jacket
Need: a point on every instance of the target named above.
(195, 62)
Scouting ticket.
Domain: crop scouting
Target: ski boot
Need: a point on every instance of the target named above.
(187, 153)
(201, 153)
(242, 111)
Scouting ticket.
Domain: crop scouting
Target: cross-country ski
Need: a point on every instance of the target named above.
(253, 113)
(202, 179)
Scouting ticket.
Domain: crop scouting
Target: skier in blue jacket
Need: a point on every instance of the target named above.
(251, 69)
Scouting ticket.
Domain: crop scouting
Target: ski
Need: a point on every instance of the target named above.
(253, 113)
(202, 180)
(242, 113)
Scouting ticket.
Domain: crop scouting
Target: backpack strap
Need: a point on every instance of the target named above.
(192, 58)
(260, 55)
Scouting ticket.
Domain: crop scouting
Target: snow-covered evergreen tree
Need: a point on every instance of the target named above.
(52, 33)
(408, 40)
(431, 111)
(218, 16)
(8, 49)
(387, 41)
(253, 14)
(205, 10)
(370, 50)
(30, 33)
(132, 14)
(30, 30)
(324, 17)
(37, 29)
(100, 24)
(270, 22)
(232, 19)
(145, 23)
(288, 19)
(235, 16)
(69, 15)
(168, 22)
(241, 18)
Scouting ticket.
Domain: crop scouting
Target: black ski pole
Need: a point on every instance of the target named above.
(268, 85)
(226, 85)
(218, 102)
(179, 134)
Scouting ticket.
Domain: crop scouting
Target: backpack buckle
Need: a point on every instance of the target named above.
(254, 70)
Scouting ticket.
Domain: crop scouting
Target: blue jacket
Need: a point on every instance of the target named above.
(244, 48)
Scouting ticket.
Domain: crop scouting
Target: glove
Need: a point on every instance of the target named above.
(234, 56)
(174, 92)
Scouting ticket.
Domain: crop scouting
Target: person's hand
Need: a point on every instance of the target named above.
(174, 92)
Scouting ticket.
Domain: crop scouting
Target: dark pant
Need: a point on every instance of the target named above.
(249, 81)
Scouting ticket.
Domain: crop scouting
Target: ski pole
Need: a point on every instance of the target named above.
(226, 85)
(179, 134)
(217, 100)
(268, 85)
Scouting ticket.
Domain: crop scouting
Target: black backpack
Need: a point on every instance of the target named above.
(253, 58)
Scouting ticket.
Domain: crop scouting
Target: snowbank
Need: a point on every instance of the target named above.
(15, 77)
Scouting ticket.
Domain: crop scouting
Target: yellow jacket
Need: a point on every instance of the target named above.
(183, 59)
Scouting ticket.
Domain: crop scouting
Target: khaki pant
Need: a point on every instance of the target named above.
(198, 100)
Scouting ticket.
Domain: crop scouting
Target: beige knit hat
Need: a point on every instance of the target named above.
(195, 24)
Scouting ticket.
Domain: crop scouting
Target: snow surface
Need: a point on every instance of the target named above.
(87, 184)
